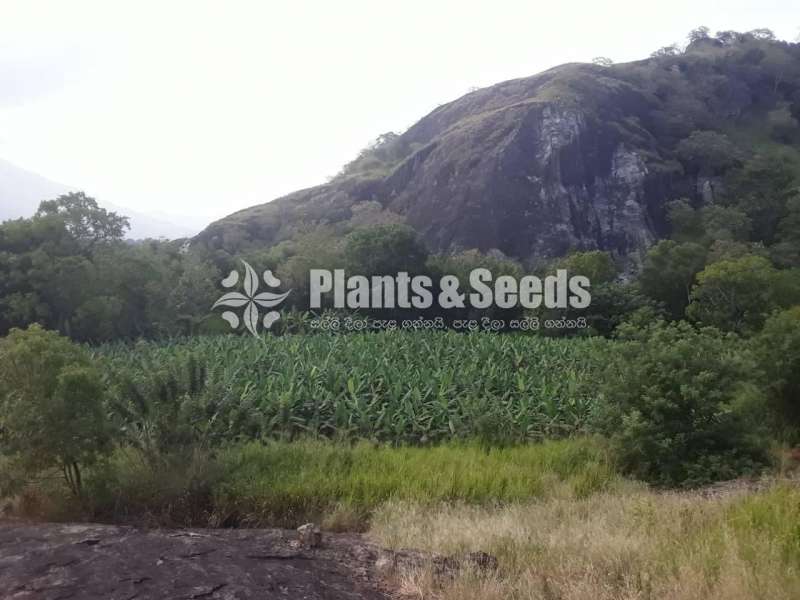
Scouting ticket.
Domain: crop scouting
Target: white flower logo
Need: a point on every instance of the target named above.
(250, 299)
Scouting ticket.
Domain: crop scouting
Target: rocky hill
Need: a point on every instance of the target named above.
(583, 156)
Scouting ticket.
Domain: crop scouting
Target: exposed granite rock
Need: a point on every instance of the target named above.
(97, 562)
(49, 561)
(579, 157)
(512, 167)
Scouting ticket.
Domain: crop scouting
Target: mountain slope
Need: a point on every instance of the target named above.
(578, 157)
(21, 191)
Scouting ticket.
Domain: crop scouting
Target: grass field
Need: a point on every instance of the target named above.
(625, 544)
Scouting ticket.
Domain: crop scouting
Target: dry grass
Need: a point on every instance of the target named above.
(624, 545)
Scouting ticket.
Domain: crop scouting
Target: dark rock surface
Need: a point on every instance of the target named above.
(578, 157)
(511, 167)
(60, 561)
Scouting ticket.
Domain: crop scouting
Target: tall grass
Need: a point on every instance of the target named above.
(610, 546)
(286, 484)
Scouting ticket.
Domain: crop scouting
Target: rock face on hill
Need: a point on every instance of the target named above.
(578, 157)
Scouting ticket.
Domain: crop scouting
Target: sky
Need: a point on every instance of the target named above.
(203, 108)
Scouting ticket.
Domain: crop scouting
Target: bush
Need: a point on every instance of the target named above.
(51, 404)
(736, 295)
(669, 271)
(777, 350)
(674, 405)
(177, 491)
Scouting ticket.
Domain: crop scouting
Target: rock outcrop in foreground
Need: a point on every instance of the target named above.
(49, 561)
(98, 562)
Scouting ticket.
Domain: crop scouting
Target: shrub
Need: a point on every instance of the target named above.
(674, 406)
(669, 271)
(737, 294)
(777, 350)
(51, 411)
(384, 249)
(178, 491)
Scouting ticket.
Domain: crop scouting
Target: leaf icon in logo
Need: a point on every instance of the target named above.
(268, 300)
(234, 299)
(250, 281)
(251, 318)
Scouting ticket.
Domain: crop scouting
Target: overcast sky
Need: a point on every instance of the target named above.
(208, 107)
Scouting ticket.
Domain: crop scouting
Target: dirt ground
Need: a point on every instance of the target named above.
(100, 562)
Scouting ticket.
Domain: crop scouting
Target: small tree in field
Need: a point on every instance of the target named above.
(51, 412)
(679, 405)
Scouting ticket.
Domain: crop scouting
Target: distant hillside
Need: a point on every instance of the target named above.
(583, 156)
(21, 192)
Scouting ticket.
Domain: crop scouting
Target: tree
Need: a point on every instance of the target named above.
(384, 250)
(612, 301)
(67, 269)
(51, 404)
(701, 33)
(85, 220)
(777, 349)
(672, 50)
(318, 249)
(762, 33)
(762, 188)
(783, 126)
(598, 266)
(731, 250)
(735, 295)
(730, 37)
(669, 272)
(786, 252)
(708, 152)
(686, 222)
(675, 405)
(194, 293)
(725, 223)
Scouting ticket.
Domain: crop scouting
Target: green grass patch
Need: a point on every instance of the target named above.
(289, 483)
(283, 484)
